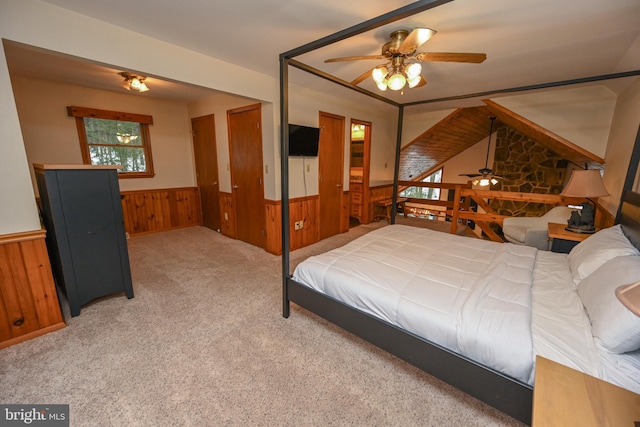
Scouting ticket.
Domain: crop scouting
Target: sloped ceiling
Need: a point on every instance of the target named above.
(452, 135)
(466, 127)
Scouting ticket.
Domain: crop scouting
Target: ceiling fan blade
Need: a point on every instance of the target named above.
(356, 58)
(470, 175)
(362, 77)
(415, 39)
(474, 58)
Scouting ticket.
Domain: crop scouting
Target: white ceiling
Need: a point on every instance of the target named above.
(527, 42)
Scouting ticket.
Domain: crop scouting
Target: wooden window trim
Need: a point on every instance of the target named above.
(81, 112)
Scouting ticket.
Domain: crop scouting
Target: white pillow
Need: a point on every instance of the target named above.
(613, 326)
(588, 255)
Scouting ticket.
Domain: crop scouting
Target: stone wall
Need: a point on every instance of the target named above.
(527, 167)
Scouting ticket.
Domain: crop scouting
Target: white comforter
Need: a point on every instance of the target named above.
(469, 295)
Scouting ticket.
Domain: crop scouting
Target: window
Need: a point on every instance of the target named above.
(115, 138)
(424, 192)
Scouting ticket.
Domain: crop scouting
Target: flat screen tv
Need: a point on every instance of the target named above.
(303, 141)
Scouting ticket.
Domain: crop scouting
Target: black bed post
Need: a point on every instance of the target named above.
(284, 177)
(394, 196)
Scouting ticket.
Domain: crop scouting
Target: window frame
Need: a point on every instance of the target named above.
(144, 121)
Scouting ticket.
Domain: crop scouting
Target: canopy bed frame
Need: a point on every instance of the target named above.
(486, 384)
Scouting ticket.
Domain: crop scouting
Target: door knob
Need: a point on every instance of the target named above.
(338, 185)
(215, 183)
(235, 186)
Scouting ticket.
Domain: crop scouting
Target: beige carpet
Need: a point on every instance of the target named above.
(204, 343)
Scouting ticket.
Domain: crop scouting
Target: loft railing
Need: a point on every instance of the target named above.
(458, 209)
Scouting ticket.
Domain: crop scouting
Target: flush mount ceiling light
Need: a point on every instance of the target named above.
(404, 68)
(135, 82)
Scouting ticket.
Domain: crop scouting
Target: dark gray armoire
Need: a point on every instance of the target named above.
(86, 240)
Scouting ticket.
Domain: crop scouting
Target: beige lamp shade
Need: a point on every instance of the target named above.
(585, 183)
(629, 295)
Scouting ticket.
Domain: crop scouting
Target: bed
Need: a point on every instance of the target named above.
(476, 313)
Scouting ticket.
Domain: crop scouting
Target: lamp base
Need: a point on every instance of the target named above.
(581, 229)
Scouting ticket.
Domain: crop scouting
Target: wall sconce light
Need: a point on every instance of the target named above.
(135, 82)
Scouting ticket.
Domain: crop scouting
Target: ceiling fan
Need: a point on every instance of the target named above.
(485, 176)
(403, 62)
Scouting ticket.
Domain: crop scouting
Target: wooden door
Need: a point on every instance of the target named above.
(330, 173)
(206, 159)
(245, 151)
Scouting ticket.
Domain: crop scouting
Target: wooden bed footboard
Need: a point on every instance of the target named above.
(504, 393)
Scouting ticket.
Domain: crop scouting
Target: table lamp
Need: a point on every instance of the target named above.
(584, 183)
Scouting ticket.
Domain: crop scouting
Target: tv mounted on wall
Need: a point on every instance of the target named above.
(303, 141)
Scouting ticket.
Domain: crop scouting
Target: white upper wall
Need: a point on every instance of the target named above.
(581, 115)
(50, 135)
(42, 25)
(624, 129)
(304, 108)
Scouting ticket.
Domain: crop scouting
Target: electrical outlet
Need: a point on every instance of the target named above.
(298, 225)
(308, 168)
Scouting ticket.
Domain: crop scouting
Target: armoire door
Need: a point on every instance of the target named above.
(245, 151)
(206, 160)
(330, 173)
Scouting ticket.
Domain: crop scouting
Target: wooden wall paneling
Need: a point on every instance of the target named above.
(345, 210)
(148, 211)
(273, 226)
(304, 209)
(29, 305)
(376, 194)
(227, 216)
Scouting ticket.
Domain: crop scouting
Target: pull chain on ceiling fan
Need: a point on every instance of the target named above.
(403, 63)
(485, 175)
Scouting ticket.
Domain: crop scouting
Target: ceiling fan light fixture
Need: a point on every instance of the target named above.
(413, 81)
(382, 85)
(379, 73)
(397, 81)
(413, 70)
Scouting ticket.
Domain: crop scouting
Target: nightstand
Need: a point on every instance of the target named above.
(562, 240)
(565, 397)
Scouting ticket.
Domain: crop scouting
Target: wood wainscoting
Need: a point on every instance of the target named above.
(227, 216)
(305, 209)
(29, 305)
(150, 211)
(376, 194)
(301, 209)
